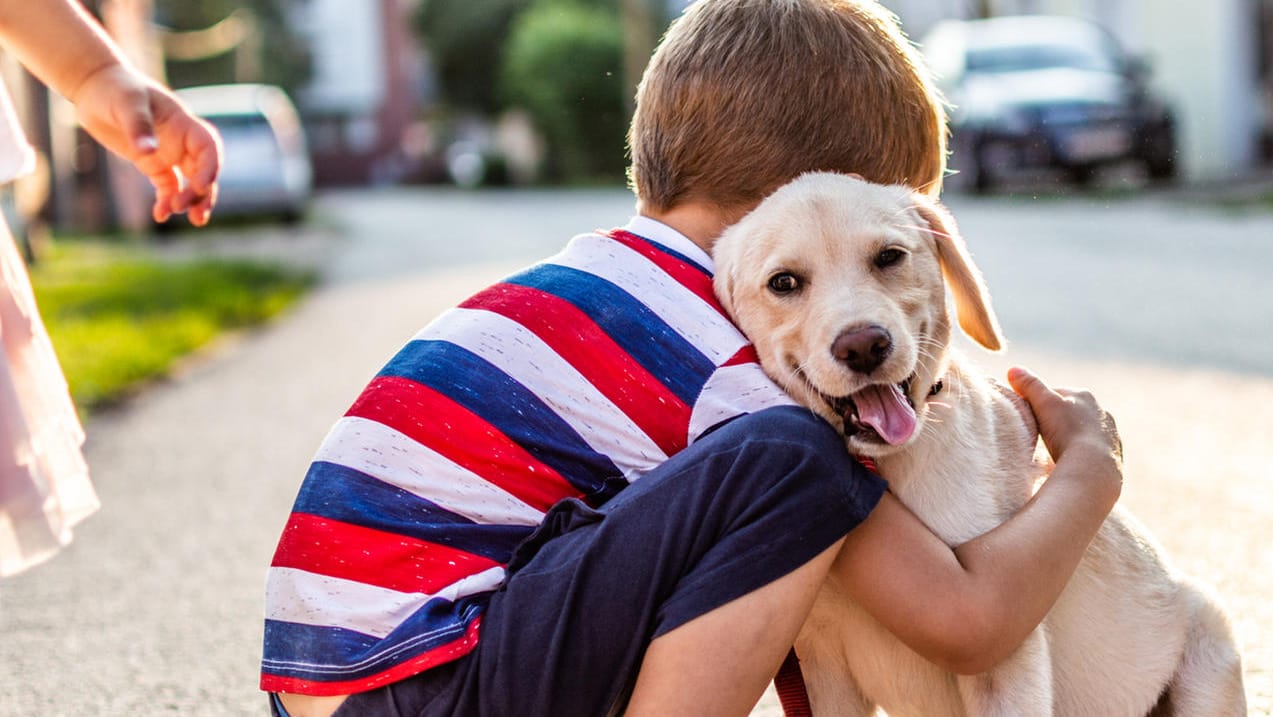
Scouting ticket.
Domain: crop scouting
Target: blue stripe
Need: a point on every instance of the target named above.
(514, 410)
(659, 348)
(674, 253)
(290, 648)
(340, 493)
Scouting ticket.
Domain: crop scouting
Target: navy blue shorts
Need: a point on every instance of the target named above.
(587, 592)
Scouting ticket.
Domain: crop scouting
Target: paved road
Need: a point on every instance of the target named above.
(1163, 308)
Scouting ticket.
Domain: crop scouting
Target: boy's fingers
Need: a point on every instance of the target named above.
(1028, 386)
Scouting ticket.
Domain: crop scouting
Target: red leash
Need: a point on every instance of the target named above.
(789, 682)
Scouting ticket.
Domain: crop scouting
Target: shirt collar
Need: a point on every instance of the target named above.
(657, 231)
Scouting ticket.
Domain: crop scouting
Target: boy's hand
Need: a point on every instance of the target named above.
(1072, 422)
(145, 124)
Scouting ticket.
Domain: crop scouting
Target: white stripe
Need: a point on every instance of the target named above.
(306, 598)
(732, 391)
(383, 453)
(525, 358)
(696, 320)
(660, 233)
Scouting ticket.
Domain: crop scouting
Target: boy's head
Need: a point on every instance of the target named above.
(742, 96)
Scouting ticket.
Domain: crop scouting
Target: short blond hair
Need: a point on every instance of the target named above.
(742, 96)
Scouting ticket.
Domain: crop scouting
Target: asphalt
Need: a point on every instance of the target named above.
(156, 607)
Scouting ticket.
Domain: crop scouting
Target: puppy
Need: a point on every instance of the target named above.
(842, 285)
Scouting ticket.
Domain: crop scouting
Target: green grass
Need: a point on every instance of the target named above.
(119, 317)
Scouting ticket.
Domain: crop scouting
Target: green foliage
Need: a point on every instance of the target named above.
(118, 318)
(283, 56)
(564, 65)
(465, 39)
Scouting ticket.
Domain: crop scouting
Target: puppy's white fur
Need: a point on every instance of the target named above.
(1128, 633)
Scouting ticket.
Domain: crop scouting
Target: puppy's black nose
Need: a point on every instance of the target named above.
(863, 349)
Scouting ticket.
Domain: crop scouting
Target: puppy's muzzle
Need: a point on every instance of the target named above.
(863, 349)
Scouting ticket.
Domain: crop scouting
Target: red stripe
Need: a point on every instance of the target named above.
(439, 423)
(577, 339)
(686, 274)
(414, 666)
(372, 557)
(745, 355)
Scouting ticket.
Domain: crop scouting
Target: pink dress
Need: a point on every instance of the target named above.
(44, 484)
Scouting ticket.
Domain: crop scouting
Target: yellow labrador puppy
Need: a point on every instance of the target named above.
(842, 286)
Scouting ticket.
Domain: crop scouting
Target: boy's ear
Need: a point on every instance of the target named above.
(972, 299)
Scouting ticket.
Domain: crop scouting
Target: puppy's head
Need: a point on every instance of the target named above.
(839, 284)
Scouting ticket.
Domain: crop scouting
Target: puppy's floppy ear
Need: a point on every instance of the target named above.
(723, 251)
(972, 299)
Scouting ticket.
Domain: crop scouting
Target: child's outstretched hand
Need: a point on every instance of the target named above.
(139, 120)
(1072, 422)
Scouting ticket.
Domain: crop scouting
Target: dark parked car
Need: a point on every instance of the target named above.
(1038, 91)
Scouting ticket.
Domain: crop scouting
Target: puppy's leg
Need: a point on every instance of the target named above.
(1208, 682)
(831, 687)
(1020, 685)
(843, 699)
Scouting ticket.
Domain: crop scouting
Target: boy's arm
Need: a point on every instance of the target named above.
(130, 114)
(969, 608)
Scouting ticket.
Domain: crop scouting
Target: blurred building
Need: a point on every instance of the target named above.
(1214, 60)
(361, 103)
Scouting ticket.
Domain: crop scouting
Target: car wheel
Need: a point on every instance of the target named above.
(981, 172)
(1082, 175)
(1161, 168)
(983, 180)
(966, 169)
(1158, 153)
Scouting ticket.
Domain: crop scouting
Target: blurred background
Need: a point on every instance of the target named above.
(538, 91)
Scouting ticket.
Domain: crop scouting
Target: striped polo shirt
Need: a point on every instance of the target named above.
(572, 378)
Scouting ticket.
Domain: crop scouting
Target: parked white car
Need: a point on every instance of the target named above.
(267, 169)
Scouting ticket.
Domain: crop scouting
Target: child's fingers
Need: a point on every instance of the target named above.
(1029, 386)
(200, 206)
(167, 184)
(139, 123)
(202, 161)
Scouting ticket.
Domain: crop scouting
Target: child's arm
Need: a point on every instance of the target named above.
(968, 608)
(128, 113)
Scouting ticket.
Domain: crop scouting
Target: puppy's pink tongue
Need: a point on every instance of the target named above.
(885, 409)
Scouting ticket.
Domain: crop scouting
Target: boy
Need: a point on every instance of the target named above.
(577, 494)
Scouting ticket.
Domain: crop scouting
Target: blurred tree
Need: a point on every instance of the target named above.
(270, 51)
(564, 65)
(465, 39)
(641, 23)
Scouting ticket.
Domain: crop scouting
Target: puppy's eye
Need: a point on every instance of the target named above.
(784, 283)
(889, 257)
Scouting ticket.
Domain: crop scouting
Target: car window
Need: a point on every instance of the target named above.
(1026, 57)
(240, 124)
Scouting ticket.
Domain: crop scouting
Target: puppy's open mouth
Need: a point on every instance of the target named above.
(881, 412)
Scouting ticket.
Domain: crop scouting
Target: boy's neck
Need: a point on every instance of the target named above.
(700, 222)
